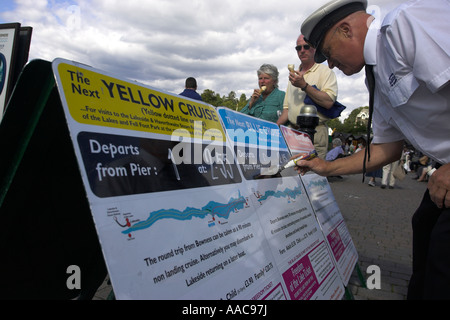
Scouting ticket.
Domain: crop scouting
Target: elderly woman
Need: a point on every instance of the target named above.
(268, 99)
(337, 150)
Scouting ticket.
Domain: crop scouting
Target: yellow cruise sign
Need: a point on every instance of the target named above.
(97, 99)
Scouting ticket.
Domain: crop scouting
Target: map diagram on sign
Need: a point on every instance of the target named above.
(214, 209)
(290, 194)
(319, 184)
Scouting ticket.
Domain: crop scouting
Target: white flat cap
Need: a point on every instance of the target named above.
(320, 21)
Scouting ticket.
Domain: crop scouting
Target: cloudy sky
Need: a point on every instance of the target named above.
(159, 43)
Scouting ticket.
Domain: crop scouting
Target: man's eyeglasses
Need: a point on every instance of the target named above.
(305, 46)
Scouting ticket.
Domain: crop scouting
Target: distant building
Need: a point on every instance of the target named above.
(362, 118)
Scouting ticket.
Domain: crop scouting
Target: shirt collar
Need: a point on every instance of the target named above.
(313, 68)
(370, 45)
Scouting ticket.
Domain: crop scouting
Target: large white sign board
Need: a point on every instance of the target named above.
(176, 214)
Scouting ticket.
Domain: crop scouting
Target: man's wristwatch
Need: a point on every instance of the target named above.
(304, 88)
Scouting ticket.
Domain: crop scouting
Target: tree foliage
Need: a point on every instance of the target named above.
(231, 101)
(349, 125)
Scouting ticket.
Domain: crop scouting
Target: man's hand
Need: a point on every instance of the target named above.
(439, 186)
(297, 80)
(317, 165)
(380, 154)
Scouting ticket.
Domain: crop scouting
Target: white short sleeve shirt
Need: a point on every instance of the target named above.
(410, 54)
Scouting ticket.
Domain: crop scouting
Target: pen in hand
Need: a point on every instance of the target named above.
(293, 162)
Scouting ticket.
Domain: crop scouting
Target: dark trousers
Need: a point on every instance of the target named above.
(431, 252)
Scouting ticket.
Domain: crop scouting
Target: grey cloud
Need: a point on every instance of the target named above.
(160, 43)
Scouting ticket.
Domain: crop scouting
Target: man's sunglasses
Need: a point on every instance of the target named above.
(306, 47)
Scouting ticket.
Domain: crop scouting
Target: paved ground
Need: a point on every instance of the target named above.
(379, 221)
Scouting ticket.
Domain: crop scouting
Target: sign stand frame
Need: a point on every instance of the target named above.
(42, 198)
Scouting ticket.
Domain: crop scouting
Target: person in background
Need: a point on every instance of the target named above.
(300, 84)
(426, 171)
(388, 179)
(406, 159)
(346, 148)
(190, 90)
(266, 101)
(337, 150)
(373, 175)
(408, 59)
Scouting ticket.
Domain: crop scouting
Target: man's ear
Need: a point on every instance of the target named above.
(346, 30)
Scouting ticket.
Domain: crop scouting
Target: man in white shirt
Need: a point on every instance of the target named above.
(411, 66)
